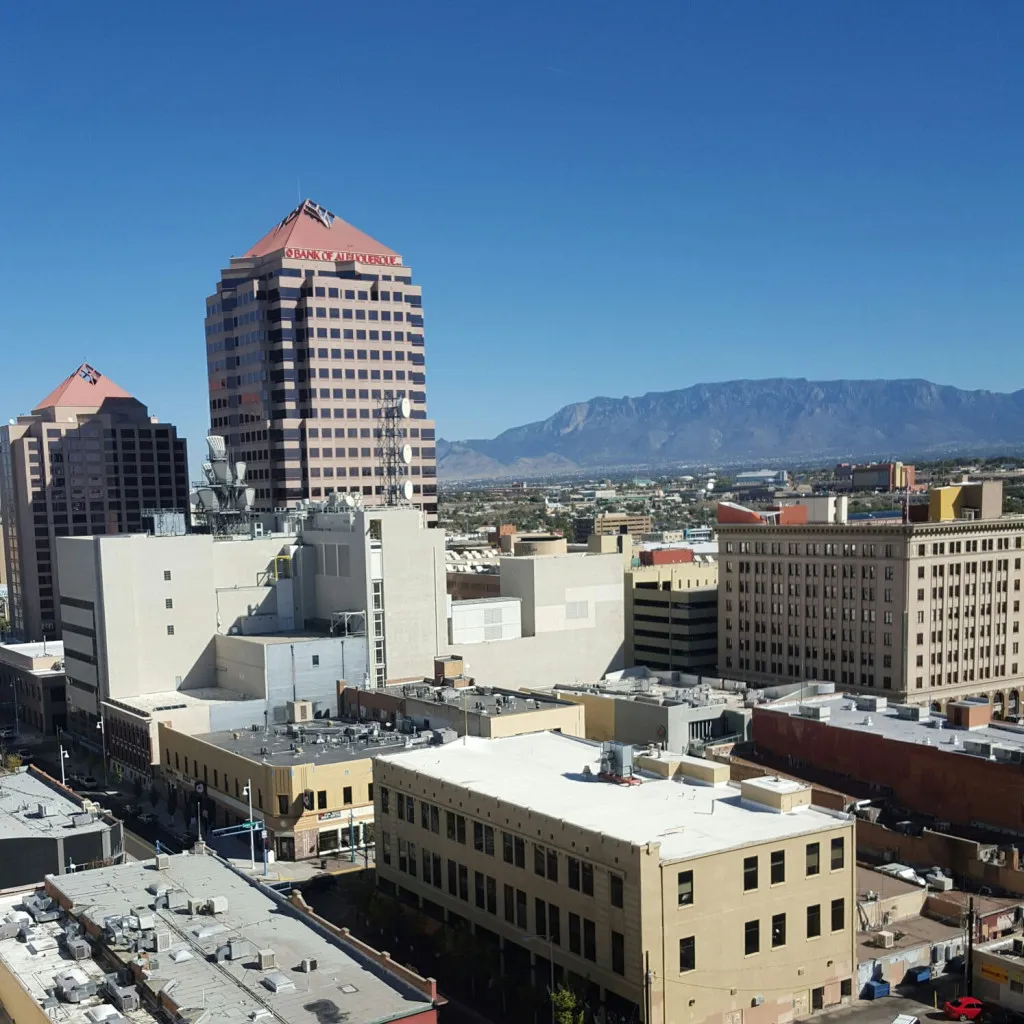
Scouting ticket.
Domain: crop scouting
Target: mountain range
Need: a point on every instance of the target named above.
(747, 421)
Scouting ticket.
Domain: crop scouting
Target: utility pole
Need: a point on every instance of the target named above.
(646, 988)
(970, 946)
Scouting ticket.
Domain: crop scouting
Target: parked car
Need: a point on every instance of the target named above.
(26, 755)
(964, 1008)
(146, 818)
(88, 782)
(76, 781)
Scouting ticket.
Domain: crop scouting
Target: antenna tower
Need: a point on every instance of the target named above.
(395, 453)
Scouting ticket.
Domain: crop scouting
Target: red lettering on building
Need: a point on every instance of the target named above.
(334, 256)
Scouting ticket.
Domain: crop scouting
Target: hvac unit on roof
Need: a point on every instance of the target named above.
(266, 959)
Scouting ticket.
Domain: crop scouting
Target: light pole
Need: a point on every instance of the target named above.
(64, 755)
(252, 839)
(103, 746)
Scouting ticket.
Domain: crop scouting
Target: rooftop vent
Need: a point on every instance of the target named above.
(278, 982)
(266, 959)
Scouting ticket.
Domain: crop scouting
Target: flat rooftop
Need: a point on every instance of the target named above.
(171, 700)
(50, 649)
(543, 773)
(886, 886)
(21, 793)
(478, 700)
(315, 742)
(908, 933)
(932, 729)
(35, 971)
(345, 986)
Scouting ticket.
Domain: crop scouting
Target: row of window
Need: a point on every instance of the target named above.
(579, 873)
(547, 917)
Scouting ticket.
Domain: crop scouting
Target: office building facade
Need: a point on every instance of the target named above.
(87, 460)
(918, 611)
(308, 336)
(675, 897)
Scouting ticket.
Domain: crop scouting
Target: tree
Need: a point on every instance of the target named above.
(567, 1006)
(12, 762)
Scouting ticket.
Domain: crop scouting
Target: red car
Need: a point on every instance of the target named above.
(964, 1008)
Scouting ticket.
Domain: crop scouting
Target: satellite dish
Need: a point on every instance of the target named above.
(407, 490)
(407, 453)
(405, 408)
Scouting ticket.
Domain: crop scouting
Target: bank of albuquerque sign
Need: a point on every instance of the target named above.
(335, 256)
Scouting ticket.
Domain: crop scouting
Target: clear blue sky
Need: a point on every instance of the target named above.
(598, 198)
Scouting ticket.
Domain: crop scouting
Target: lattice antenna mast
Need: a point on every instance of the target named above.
(395, 453)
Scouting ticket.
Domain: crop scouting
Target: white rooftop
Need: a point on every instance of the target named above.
(22, 792)
(170, 700)
(931, 730)
(345, 986)
(543, 772)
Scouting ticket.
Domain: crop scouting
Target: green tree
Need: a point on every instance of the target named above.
(568, 1008)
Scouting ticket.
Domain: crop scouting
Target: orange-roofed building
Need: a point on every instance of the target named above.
(87, 460)
(310, 336)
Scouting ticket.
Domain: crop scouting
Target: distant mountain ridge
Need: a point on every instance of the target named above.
(745, 421)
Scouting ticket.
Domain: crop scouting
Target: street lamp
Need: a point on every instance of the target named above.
(252, 839)
(64, 755)
(103, 746)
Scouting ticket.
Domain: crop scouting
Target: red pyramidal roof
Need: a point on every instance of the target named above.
(313, 228)
(85, 388)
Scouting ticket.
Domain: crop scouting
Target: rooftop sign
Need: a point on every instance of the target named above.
(336, 256)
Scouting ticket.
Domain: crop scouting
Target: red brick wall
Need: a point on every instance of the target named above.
(953, 787)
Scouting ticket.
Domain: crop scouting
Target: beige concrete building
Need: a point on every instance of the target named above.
(464, 708)
(89, 459)
(32, 685)
(739, 901)
(926, 610)
(672, 616)
(307, 335)
(312, 805)
(558, 618)
(608, 523)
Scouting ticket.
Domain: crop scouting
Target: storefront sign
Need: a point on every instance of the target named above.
(336, 256)
(994, 973)
(330, 815)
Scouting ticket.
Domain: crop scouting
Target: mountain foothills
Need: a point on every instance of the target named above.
(746, 420)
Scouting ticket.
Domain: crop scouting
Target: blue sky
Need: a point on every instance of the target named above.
(598, 198)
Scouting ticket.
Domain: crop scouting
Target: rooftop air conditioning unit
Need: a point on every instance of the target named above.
(266, 959)
(885, 939)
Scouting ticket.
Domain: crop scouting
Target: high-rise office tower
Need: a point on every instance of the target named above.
(310, 336)
(88, 459)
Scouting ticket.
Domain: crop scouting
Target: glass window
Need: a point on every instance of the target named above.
(778, 930)
(814, 921)
(838, 915)
(618, 953)
(616, 887)
(778, 866)
(752, 937)
(684, 887)
(838, 853)
(813, 858)
(749, 873)
(687, 954)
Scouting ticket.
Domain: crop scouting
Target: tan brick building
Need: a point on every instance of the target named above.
(315, 800)
(668, 896)
(918, 611)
